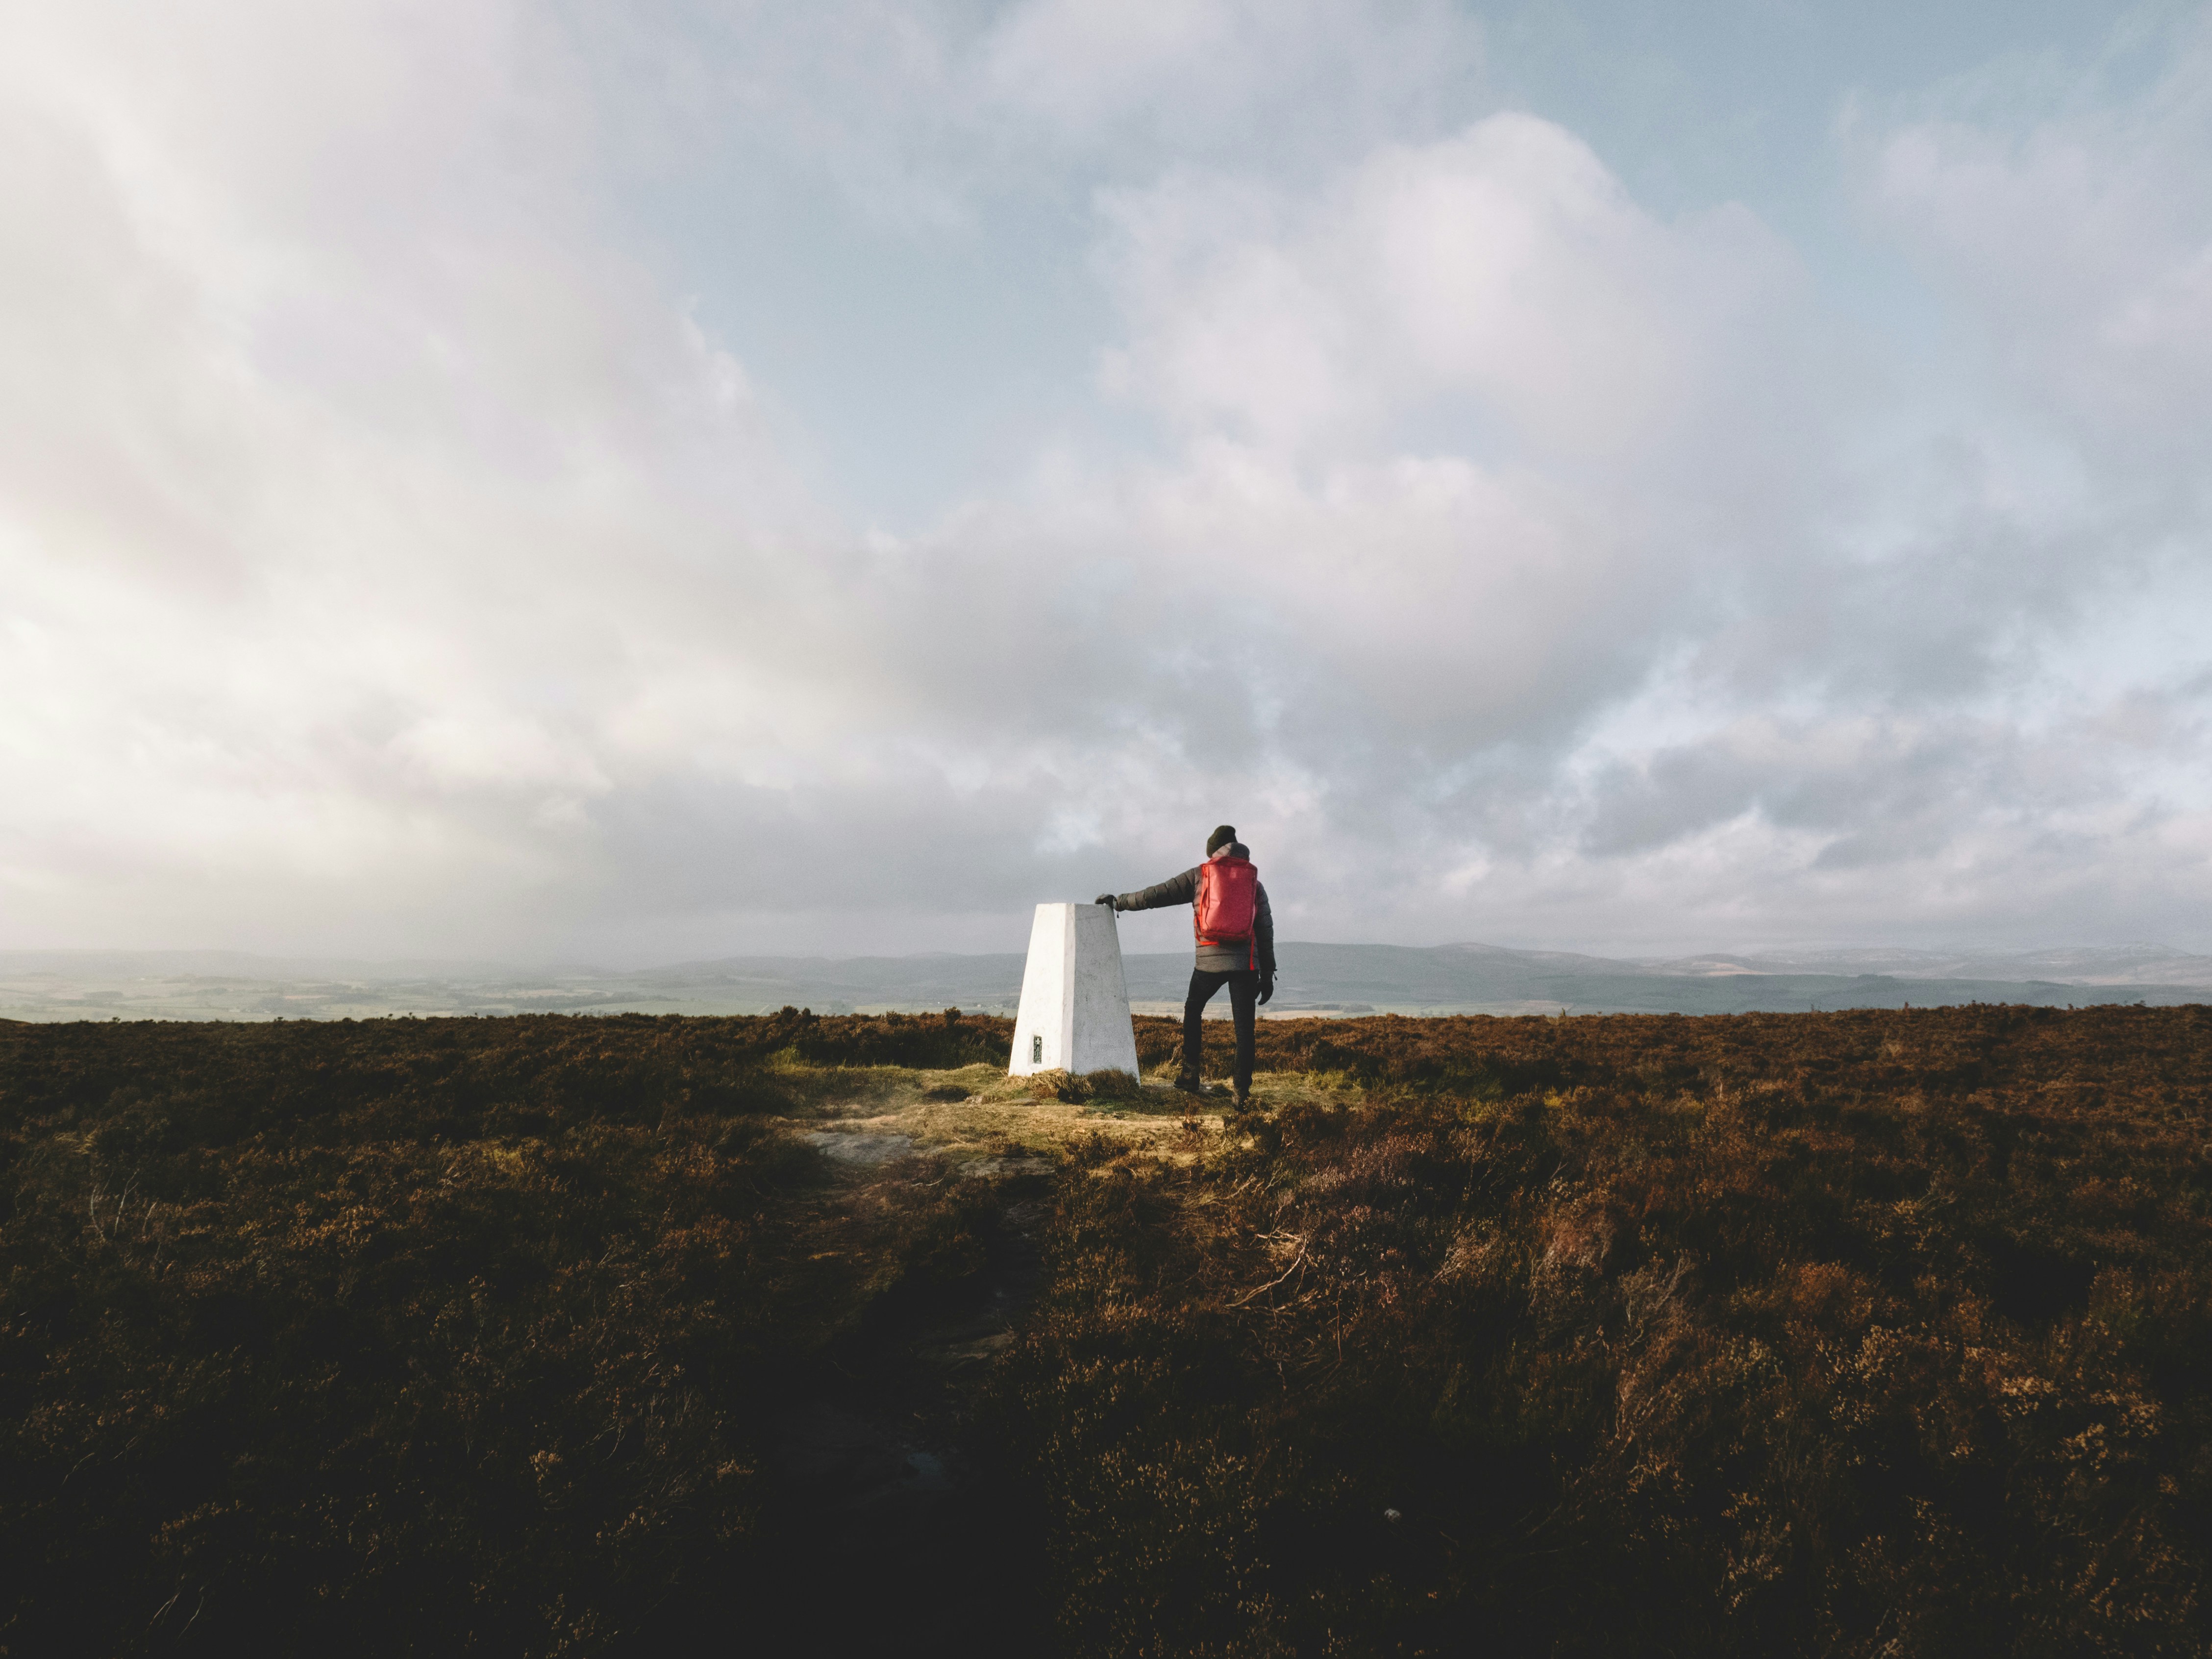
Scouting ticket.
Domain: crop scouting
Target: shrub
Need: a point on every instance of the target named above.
(444, 1335)
(1851, 1334)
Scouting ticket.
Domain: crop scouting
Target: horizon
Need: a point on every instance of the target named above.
(1316, 980)
(1778, 954)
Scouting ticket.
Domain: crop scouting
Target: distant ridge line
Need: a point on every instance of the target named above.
(1465, 977)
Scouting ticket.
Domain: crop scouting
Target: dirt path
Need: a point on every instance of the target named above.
(885, 1536)
(896, 1540)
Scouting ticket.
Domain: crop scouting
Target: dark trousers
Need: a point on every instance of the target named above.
(1243, 1002)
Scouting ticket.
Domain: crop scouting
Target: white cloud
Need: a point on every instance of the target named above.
(389, 559)
(2079, 250)
(1244, 77)
(1505, 266)
(346, 482)
(927, 115)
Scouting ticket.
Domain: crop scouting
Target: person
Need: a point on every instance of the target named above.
(1235, 933)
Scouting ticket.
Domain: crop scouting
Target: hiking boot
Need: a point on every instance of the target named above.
(1243, 1102)
(1189, 1085)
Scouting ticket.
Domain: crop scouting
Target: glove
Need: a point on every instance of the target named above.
(1108, 900)
(1267, 987)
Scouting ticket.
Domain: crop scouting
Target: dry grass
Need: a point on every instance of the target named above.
(1866, 1333)
(449, 1335)
(978, 1113)
(1839, 1335)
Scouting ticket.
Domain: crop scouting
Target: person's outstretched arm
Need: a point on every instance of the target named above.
(1176, 890)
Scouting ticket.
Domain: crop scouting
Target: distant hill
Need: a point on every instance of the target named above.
(2118, 964)
(1482, 978)
(1317, 978)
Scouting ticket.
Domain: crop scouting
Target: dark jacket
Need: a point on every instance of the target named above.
(1213, 958)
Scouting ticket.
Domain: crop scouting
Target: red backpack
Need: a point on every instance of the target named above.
(1228, 899)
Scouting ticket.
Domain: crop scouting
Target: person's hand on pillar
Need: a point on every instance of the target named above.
(1267, 986)
(1106, 899)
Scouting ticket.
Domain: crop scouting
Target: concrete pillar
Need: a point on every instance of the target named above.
(1075, 1004)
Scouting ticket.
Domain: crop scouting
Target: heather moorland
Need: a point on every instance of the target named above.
(1880, 1331)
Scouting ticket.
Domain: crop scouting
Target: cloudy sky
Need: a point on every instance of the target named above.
(630, 482)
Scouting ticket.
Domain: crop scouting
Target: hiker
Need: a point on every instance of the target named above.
(1236, 934)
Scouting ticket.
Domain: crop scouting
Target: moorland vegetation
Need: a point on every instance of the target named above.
(1860, 1333)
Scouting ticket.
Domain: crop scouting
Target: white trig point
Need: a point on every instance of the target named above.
(1075, 1004)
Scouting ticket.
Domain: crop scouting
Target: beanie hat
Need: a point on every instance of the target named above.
(1219, 839)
